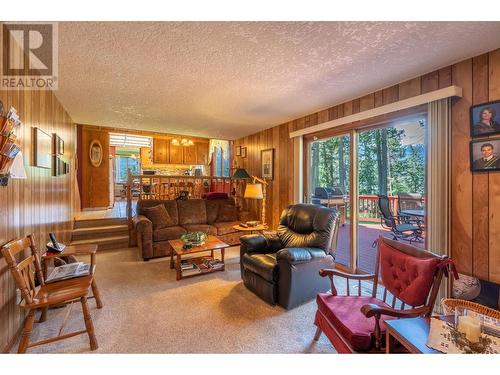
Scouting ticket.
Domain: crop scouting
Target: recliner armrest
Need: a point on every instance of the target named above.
(295, 255)
(142, 224)
(253, 243)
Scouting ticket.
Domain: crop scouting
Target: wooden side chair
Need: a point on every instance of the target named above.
(356, 323)
(45, 295)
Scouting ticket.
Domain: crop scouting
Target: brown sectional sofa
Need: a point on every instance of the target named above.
(187, 216)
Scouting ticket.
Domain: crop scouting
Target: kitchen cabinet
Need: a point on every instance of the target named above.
(201, 153)
(166, 153)
(161, 151)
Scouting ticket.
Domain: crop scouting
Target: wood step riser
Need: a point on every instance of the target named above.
(98, 223)
(98, 235)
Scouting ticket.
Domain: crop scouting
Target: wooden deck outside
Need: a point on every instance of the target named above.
(367, 234)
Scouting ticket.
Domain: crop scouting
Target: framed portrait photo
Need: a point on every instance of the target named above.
(243, 152)
(485, 155)
(238, 151)
(267, 163)
(485, 119)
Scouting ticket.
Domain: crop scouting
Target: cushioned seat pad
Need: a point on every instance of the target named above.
(344, 312)
(263, 265)
(406, 227)
(170, 233)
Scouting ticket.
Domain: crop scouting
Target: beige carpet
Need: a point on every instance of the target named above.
(147, 311)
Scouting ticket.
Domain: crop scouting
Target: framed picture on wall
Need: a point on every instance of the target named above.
(485, 155)
(238, 151)
(267, 163)
(485, 119)
(58, 145)
(42, 149)
(243, 152)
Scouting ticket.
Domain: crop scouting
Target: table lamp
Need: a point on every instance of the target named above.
(239, 174)
(257, 190)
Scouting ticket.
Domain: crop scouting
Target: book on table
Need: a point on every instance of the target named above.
(68, 271)
(191, 271)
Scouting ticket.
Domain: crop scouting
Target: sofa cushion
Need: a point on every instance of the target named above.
(192, 211)
(344, 312)
(212, 207)
(226, 227)
(263, 265)
(170, 233)
(227, 213)
(210, 229)
(170, 205)
(158, 216)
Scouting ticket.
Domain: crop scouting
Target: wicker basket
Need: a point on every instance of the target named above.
(449, 305)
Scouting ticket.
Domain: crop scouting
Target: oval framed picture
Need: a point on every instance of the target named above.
(95, 153)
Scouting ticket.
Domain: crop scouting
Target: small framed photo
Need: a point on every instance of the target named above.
(243, 152)
(485, 119)
(485, 155)
(58, 145)
(267, 163)
(238, 151)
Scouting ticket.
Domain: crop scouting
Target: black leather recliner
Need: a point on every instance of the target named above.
(283, 268)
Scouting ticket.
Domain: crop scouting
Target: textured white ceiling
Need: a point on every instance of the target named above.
(231, 79)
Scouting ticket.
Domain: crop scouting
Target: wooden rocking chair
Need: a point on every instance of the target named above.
(45, 295)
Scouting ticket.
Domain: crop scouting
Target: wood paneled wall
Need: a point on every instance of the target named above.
(475, 198)
(41, 203)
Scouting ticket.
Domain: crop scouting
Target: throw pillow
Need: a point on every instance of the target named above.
(227, 213)
(159, 216)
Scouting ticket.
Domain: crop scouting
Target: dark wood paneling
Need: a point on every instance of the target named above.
(367, 102)
(480, 187)
(494, 179)
(461, 178)
(445, 77)
(391, 94)
(409, 88)
(430, 82)
(39, 204)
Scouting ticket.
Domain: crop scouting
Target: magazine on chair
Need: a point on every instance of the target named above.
(68, 271)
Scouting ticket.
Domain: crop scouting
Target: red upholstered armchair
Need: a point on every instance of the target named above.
(357, 323)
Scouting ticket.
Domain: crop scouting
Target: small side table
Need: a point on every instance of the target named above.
(412, 333)
(76, 250)
(257, 229)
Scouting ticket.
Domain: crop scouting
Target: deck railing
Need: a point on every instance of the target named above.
(368, 207)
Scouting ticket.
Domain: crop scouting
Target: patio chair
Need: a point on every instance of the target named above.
(400, 230)
(409, 201)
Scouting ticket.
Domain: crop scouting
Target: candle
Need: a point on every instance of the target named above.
(470, 326)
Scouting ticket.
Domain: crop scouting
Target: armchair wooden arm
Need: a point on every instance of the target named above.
(331, 272)
(376, 311)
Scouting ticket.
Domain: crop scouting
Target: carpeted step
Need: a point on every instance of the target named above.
(89, 223)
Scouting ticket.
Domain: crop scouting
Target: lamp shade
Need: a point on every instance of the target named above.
(241, 174)
(254, 191)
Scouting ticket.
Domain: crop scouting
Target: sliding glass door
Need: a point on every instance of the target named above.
(391, 187)
(329, 185)
(376, 178)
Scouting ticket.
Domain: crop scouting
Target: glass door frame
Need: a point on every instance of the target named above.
(352, 130)
(352, 194)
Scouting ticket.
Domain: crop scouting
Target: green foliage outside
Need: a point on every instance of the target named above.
(388, 161)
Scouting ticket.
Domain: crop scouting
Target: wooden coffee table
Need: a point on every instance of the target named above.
(212, 243)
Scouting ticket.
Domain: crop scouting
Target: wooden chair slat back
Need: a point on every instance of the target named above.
(24, 271)
(16, 246)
